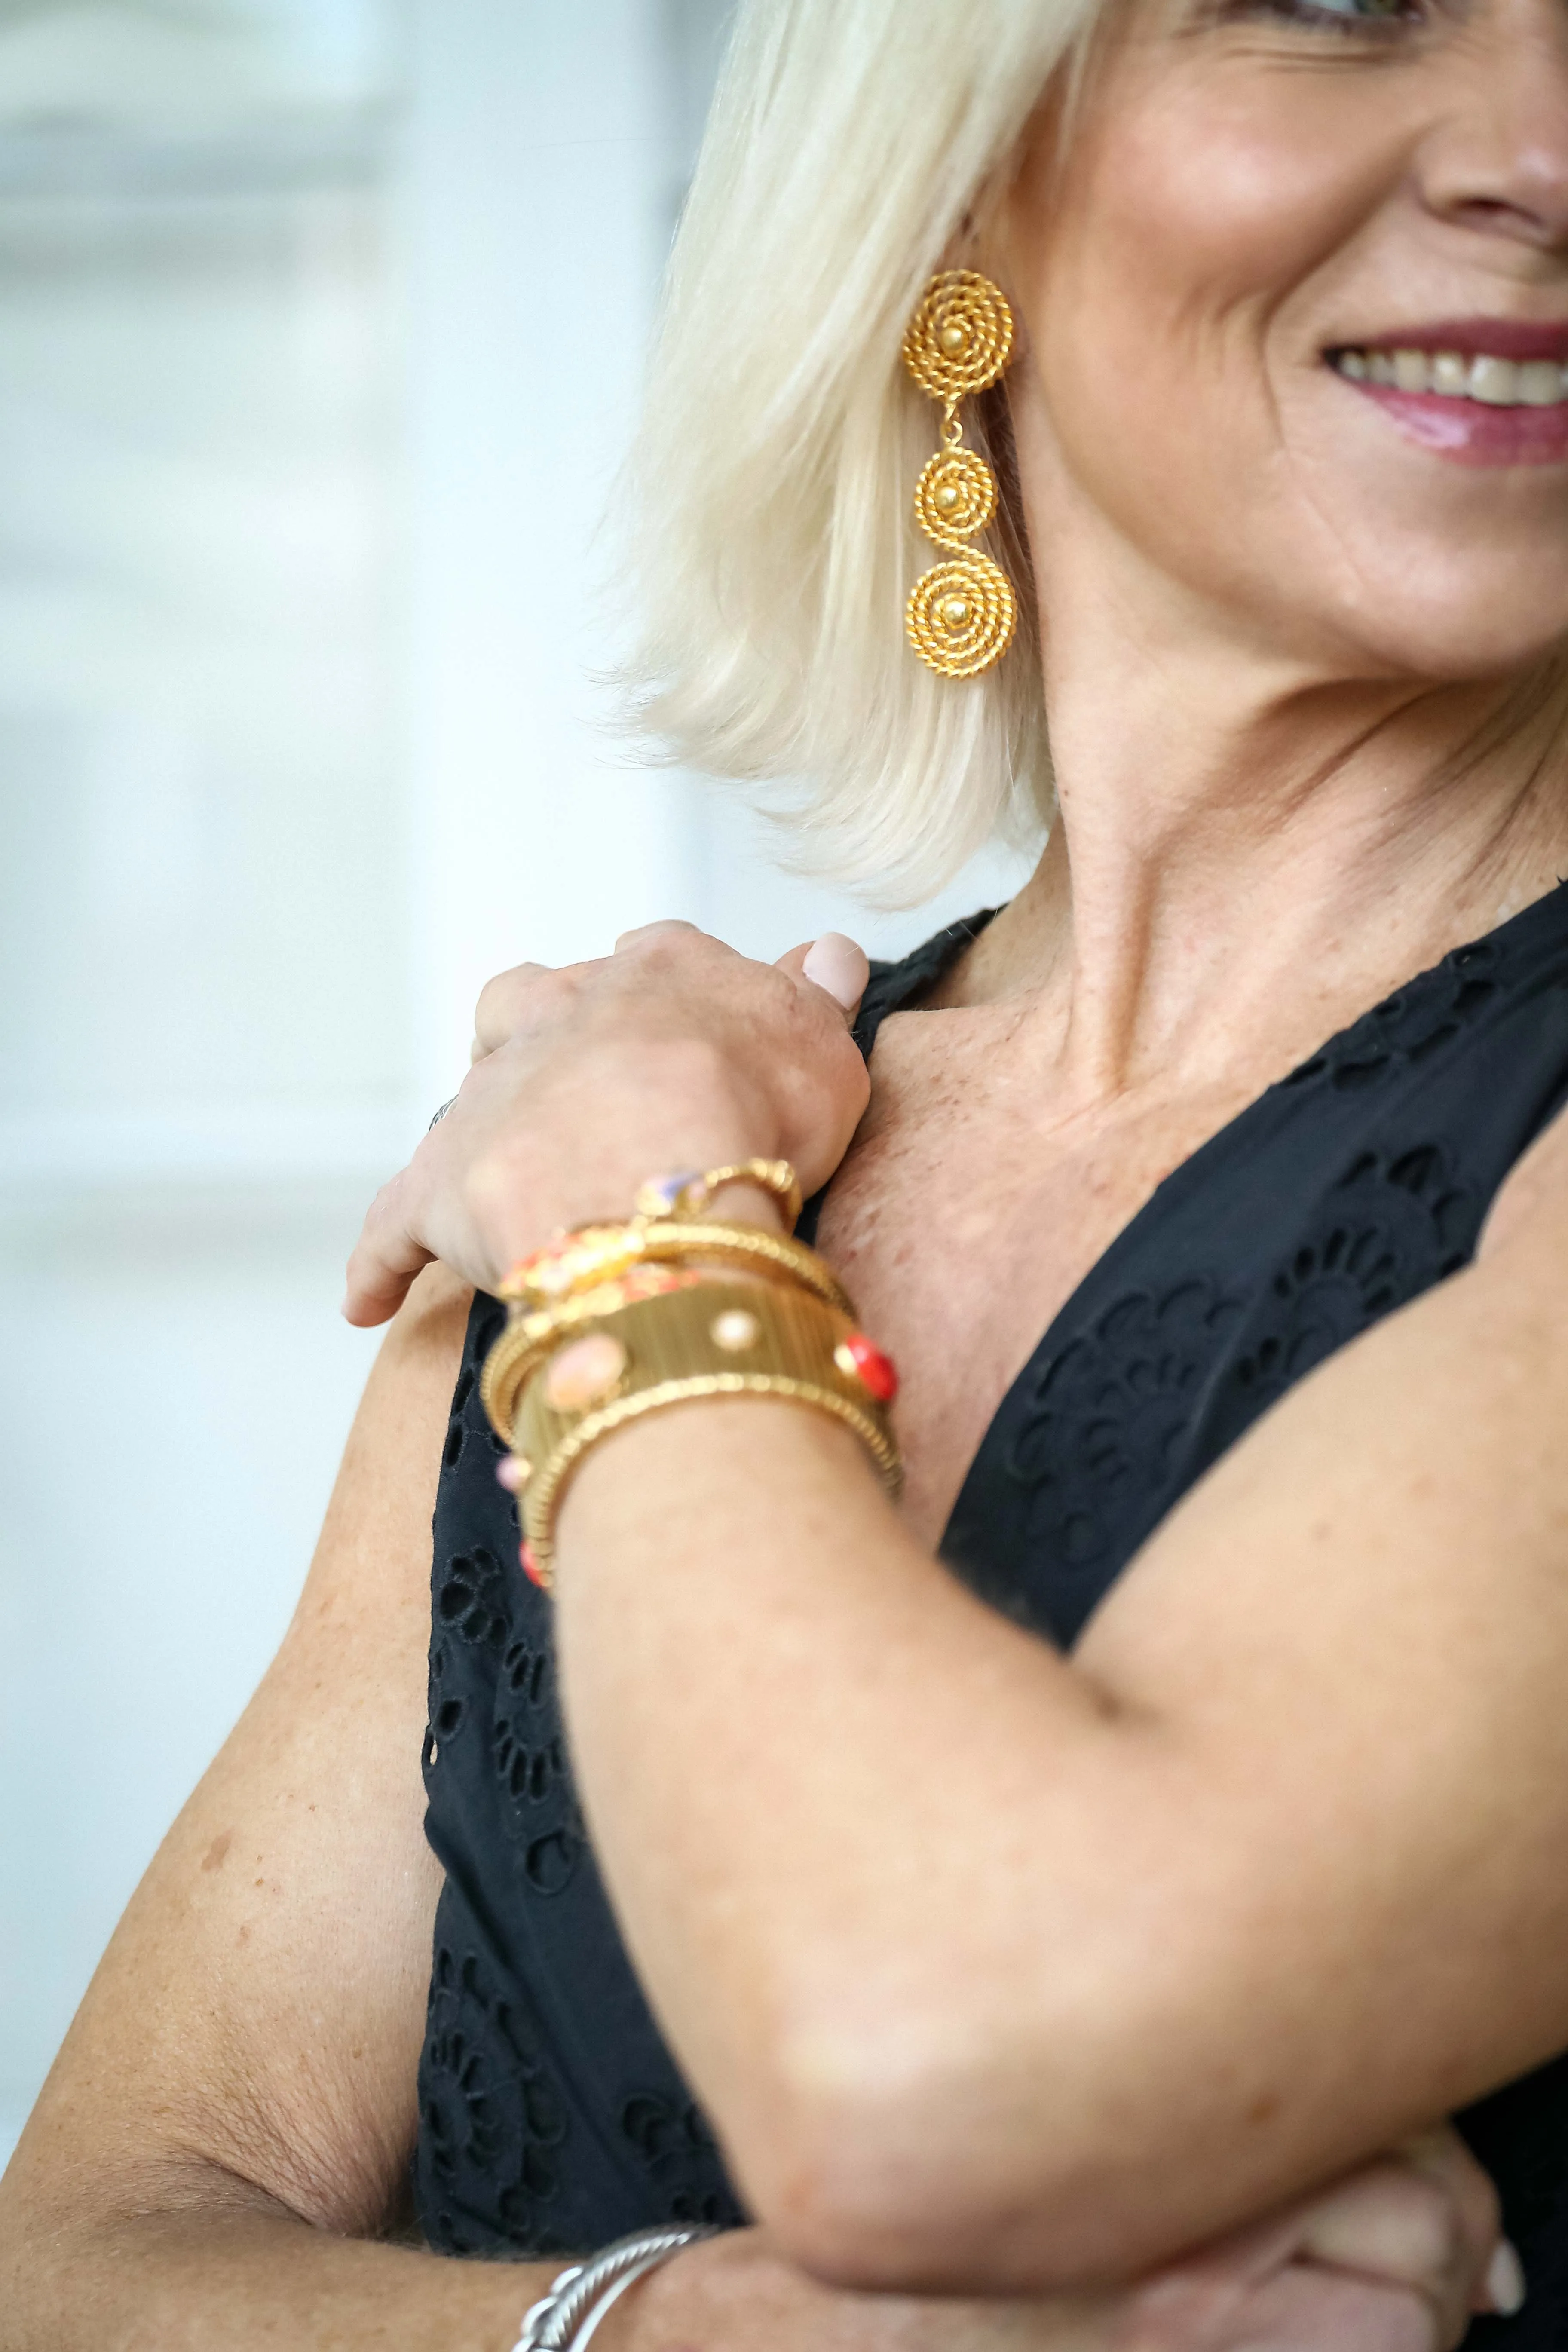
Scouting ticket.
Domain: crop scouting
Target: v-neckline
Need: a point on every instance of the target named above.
(892, 987)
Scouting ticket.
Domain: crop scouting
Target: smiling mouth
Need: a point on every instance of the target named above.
(1487, 378)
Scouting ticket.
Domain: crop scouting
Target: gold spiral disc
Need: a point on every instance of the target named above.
(955, 496)
(960, 336)
(961, 616)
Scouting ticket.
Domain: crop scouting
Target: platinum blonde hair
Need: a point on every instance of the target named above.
(850, 141)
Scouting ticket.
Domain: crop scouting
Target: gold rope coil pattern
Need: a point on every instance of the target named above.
(961, 615)
(955, 496)
(960, 336)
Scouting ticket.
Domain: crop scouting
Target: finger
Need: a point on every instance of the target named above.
(1497, 2278)
(501, 1002)
(1223, 2305)
(1402, 2225)
(1305, 2310)
(832, 963)
(383, 1264)
(652, 932)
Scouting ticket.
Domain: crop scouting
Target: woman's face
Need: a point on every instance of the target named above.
(1296, 312)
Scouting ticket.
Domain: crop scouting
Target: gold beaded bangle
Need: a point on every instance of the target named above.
(689, 1195)
(713, 1339)
(598, 1252)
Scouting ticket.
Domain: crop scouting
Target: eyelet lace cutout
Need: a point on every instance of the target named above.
(1102, 1418)
(500, 2165)
(672, 2137)
(491, 2120)
(1410, 1025)
(529, 1751)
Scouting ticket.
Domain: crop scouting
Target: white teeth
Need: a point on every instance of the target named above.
(1541, 383)
(1495, 382)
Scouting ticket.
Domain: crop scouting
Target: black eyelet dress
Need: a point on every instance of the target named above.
(552, 2116)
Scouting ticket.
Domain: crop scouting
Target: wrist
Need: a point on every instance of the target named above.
(748, 1204)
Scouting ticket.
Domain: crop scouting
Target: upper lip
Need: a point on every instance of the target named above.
(1502, 339)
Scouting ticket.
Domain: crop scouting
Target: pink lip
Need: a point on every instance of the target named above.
(1468, 432)
(1505, 338)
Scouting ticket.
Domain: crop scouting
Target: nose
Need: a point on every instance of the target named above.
(1499, 165)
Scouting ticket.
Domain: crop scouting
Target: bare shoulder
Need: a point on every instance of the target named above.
(254, 2027)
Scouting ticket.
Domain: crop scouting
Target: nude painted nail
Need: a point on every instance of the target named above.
(837, 964)
(1505, 2280)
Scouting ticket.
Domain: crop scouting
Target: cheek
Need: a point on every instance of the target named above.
(1193, 219)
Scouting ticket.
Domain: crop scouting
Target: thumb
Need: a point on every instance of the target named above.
(833, 964)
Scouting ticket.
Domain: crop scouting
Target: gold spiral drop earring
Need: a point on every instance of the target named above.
(962, 613)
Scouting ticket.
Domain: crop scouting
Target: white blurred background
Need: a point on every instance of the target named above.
(321, 325)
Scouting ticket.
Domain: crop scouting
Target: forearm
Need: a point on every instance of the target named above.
(804, 1750)
(992, 1966)
(241, 2275)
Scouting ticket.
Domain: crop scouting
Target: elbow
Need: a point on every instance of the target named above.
(886, 2165)
(1076, 2136)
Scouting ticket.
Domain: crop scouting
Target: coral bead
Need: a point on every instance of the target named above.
(859, 1357)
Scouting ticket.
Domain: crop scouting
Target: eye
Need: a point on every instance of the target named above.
(1343, 15)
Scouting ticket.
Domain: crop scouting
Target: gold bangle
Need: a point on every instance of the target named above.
(689, 1195)
(622, 1252)
(676, 1242)
(598, 1252)
(715, 1340)
(523, 1346)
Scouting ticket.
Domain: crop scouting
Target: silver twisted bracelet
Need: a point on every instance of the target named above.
(564, 2319)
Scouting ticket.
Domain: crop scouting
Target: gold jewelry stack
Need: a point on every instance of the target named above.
(612, 1322)
(962, 613)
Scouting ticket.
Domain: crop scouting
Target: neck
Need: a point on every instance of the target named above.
(1248, 848)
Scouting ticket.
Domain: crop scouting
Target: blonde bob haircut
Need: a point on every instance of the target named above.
(850, 144)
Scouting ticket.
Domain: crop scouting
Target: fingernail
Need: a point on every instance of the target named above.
(1505, 2280)
(837, 965)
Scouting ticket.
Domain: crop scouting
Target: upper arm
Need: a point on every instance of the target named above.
(1345, 1657)
(258, 2015)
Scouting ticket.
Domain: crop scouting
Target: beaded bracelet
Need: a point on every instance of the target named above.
(599, 1251)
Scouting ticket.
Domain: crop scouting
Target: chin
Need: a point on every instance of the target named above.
(1420, 617)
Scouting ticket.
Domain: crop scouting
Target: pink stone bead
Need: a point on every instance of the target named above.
(584, 1373)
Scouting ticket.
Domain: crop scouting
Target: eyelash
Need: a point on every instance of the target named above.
(1320, 19)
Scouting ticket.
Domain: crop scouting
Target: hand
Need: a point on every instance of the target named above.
(1395, 2258)
(673, 1053)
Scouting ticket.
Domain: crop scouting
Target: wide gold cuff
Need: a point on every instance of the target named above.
(712, 1339)
(601, 1260)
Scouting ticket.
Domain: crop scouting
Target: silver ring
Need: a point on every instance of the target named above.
(440, 1115)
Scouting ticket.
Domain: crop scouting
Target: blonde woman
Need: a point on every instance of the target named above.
(1058, 1909)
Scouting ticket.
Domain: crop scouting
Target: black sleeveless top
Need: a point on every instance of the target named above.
(552, 2115)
